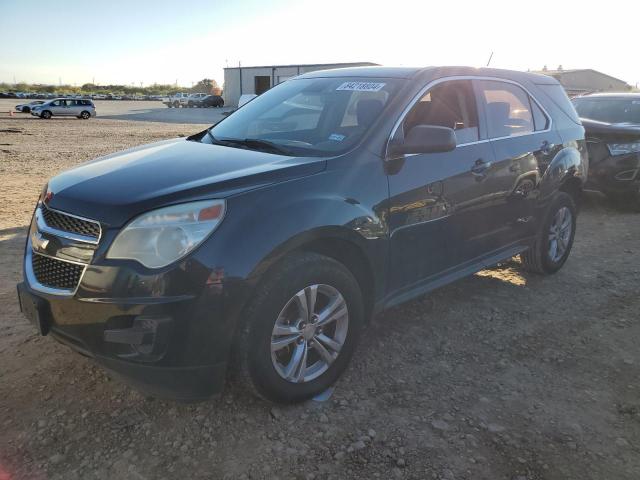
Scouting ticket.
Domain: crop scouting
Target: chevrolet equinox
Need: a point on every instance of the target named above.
(264, 244)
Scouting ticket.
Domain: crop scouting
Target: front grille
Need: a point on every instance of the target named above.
(70, 224)
(54, 273)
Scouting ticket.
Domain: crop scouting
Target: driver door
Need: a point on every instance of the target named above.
(440, 203)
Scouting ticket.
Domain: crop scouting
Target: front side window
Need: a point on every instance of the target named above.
(449, 104)
(508, 109)
(309, 116)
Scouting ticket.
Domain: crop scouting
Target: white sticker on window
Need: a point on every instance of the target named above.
(361, 86)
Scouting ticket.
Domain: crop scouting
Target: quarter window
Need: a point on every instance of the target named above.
(540, 120)
(508, 109)
(449, 104)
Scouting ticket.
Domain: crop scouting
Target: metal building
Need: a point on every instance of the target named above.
(256, 80)
(586, 80)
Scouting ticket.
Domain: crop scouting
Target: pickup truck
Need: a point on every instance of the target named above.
(176, 100)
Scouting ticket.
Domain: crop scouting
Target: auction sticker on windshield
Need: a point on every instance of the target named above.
(361, 86)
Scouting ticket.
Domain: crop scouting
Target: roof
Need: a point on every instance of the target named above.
(408, 72)
(577, 70)
(346, 64)
(365, 71)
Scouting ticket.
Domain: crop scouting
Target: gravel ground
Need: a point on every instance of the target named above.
(503, 375)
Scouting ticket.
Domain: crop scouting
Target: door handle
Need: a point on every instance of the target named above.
(480, 167)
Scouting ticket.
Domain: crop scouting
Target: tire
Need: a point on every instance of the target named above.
(176, 104)
(26, 110)
(540, 258)
(297, 276)
(46, 115)
(85, 115)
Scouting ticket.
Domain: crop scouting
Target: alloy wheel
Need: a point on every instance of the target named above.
(560, 234)
(309, 333)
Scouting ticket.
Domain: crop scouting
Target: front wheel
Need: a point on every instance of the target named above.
(554, 241)
(301, 329)
(46, 115)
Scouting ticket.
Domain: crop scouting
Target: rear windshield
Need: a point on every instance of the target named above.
(313, 116)
(610, 110)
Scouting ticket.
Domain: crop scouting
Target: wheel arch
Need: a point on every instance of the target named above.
(339, 243)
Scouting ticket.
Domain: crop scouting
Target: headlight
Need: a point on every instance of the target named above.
(160, 237)
(623, 148)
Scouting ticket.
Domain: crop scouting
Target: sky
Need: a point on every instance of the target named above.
(161, 41)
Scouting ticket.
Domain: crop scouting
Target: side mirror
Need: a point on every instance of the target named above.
(425, 139)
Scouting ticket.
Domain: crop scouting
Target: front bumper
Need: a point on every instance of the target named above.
(148, 344)
(618, 174)
(167, 331)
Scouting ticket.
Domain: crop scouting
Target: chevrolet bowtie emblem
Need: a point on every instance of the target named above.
(38, 242)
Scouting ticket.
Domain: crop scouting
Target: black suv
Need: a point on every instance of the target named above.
(268, 241)
(612, 124)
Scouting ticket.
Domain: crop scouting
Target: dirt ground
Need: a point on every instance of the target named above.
(503, 375)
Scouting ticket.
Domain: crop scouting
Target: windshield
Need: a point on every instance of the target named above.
(610, 110)
(308, 117)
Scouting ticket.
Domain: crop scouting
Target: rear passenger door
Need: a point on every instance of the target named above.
(521, 138)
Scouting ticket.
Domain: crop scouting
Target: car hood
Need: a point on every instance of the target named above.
(115, 188)
(596, 127)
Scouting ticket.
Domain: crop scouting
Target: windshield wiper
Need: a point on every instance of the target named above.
(252, 143)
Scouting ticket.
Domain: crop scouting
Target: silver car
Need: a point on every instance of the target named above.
(65, 107)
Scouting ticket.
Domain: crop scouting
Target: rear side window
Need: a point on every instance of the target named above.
(508, 109)
(449, 104)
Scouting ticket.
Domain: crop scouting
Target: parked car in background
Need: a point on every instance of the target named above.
(267, 241)
(175, 100)
(210, 101)
(26, 107)
(65, 107)
(193, 99)
(612, 125)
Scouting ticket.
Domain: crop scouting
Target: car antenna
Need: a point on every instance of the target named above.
(490, 57)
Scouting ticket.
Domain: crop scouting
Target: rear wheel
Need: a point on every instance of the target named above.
(301, 329)
(46, 115)
(555, 239)
(85, 115)
(176, 104)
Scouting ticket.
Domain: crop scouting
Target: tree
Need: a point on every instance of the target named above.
(206, 85)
